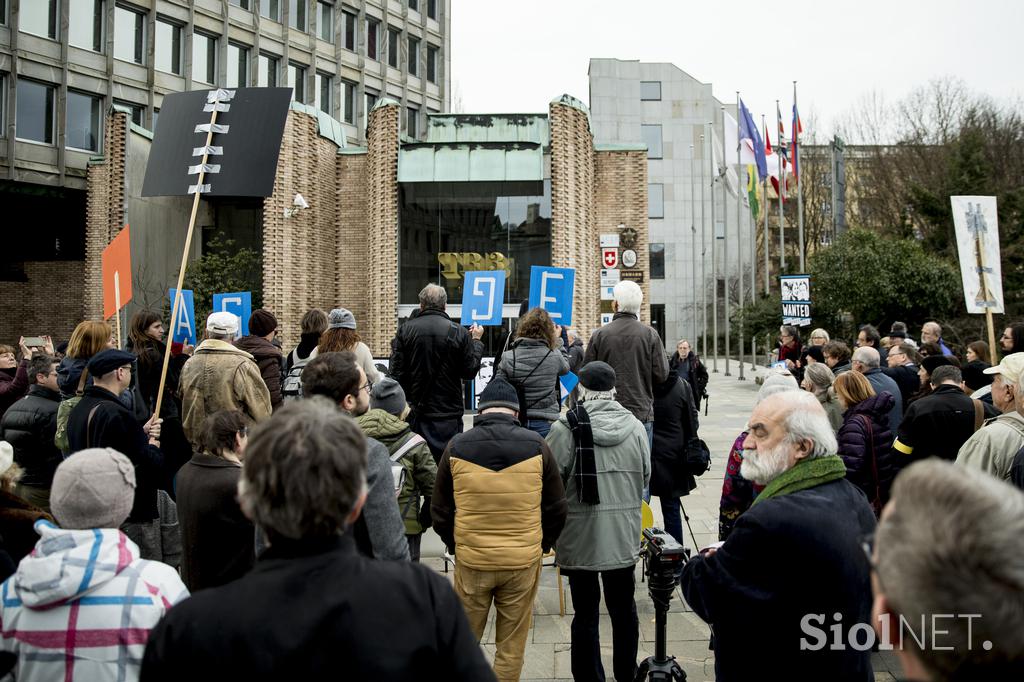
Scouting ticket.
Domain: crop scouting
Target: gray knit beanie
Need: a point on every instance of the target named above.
(387, 395)
(93, 488)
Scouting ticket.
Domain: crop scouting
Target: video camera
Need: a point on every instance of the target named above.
(664, 557)
(660, 547)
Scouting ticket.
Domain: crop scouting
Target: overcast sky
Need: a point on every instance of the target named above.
(515, 56)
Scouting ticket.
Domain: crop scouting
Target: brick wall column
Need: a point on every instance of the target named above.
(104, 209)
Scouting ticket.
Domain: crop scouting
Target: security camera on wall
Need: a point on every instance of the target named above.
(300, 201)
(298, 204)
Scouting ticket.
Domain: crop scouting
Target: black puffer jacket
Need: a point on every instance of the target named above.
(29, 426)
(675, 423)
(430, 357)
(855, 447)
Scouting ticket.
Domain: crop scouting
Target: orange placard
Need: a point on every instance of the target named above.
(117, 268)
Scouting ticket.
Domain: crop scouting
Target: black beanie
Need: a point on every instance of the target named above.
(597, 376)
(498, 393)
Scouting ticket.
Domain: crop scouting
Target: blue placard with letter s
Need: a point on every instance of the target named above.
(239, 303)
(552, 290)
(483, 293)
(185, 326)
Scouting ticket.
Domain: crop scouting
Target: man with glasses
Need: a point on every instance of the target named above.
(903, 370)
(380, 531)
(29, 426)
(100, 420)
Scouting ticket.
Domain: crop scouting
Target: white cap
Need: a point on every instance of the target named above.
(223, 323)
(1012, 367)
(6, 456)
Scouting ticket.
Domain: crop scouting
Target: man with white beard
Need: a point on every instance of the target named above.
(792, 569)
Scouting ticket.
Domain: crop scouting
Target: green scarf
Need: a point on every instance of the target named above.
(806, 473)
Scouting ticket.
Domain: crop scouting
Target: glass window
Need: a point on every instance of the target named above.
(129, 35)
(238, 66)
(85, 25)
(244, 4)
(156, 115)
(204, 58)
(651, 135)
(350, 31)
(324, 93)
(432, 9)
(349, 114)
(432, 63)
(270, 10)
(168, 47)
(394, 40)
(657, 253)
(83, 122)
(297, 81)
(35, 111)
(414, 56)
(414, 5)
(371, 101)
(39, 17)
(412, 128)
(655, 200)
(325, 21)
(266, 71)
(372, 38)
(297, 14)
(138, 112)
(650, 90)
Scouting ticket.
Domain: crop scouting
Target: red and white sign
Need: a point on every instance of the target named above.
(610, 257)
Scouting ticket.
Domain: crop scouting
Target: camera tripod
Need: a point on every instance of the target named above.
(661, 574)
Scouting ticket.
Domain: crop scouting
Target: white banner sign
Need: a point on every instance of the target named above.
(977, 240)
(796, 299)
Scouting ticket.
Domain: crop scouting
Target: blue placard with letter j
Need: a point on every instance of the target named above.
(185, 325)
(239, 303)
(483, 293)
(552, 290)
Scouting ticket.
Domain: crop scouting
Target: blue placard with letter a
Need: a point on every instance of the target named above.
(185, 326)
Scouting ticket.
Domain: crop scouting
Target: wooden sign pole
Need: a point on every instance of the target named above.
(184, 262)
(987, 299)
(117, 306)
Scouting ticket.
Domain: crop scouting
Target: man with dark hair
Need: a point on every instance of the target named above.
(938, 424)
(379, 531)
(313, 608)
(869, 337)
(430, 357)
(498, 540)
(29, 426)
(1012, 340)
(949, 554)
(837, 357)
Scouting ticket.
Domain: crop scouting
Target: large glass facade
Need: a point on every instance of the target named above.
(448, 228)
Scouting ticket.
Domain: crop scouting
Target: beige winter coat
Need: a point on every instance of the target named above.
(220, 377)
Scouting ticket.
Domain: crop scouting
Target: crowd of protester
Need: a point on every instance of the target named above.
(257, 512)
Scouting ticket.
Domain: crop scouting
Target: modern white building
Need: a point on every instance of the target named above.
(668, 110)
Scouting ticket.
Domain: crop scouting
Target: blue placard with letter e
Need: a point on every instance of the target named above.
(239, 303)
(185, 326)
(483, 293)
(552, 289)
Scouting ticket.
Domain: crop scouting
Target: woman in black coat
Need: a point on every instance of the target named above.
(675, 425)
(865, 440)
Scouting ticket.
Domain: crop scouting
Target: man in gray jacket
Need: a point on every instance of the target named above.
(605, 461)
(635, 352)
(379, 532)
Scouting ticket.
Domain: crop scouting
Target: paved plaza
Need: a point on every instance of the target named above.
(547, 653)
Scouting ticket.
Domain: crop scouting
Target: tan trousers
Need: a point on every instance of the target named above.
(513, 593)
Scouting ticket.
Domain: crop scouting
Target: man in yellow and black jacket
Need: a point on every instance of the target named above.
(498, 505)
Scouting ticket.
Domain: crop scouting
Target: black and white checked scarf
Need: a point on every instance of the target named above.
(586, 467)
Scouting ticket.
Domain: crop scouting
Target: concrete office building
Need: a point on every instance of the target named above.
(64, 64)
(668, 110)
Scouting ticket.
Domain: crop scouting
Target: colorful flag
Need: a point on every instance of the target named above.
(797, 129)
(749, 131)
(782, 135)
(767, 142)
(752, 192)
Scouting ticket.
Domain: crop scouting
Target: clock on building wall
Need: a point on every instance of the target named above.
(629, 258)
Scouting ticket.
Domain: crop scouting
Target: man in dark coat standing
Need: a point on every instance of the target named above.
(430, 357)
(938, 424)
(100, 420)
(313, 608)
(675, 428)
(793, 563)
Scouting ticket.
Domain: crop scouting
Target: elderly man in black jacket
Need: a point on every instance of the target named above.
(29, 426)
(313, 608)
(793, 565)
(100, 420)
(430, 357)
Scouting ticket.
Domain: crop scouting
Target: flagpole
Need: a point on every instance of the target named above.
(693, 249)
(703, 255)
(753, 274)
(782, 190)
(714, 249)
(764, 237)
(739, 246)
(799, 184)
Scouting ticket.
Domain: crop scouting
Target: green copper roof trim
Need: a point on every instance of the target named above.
(384, 102)
(326, 126)
(570, 101)
(352, 150)
(620, 147)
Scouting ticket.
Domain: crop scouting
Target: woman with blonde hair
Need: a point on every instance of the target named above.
(532, 365)
(819, 337)
(341, 335)
(88, 339)
(818, 379)
(865, 438)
